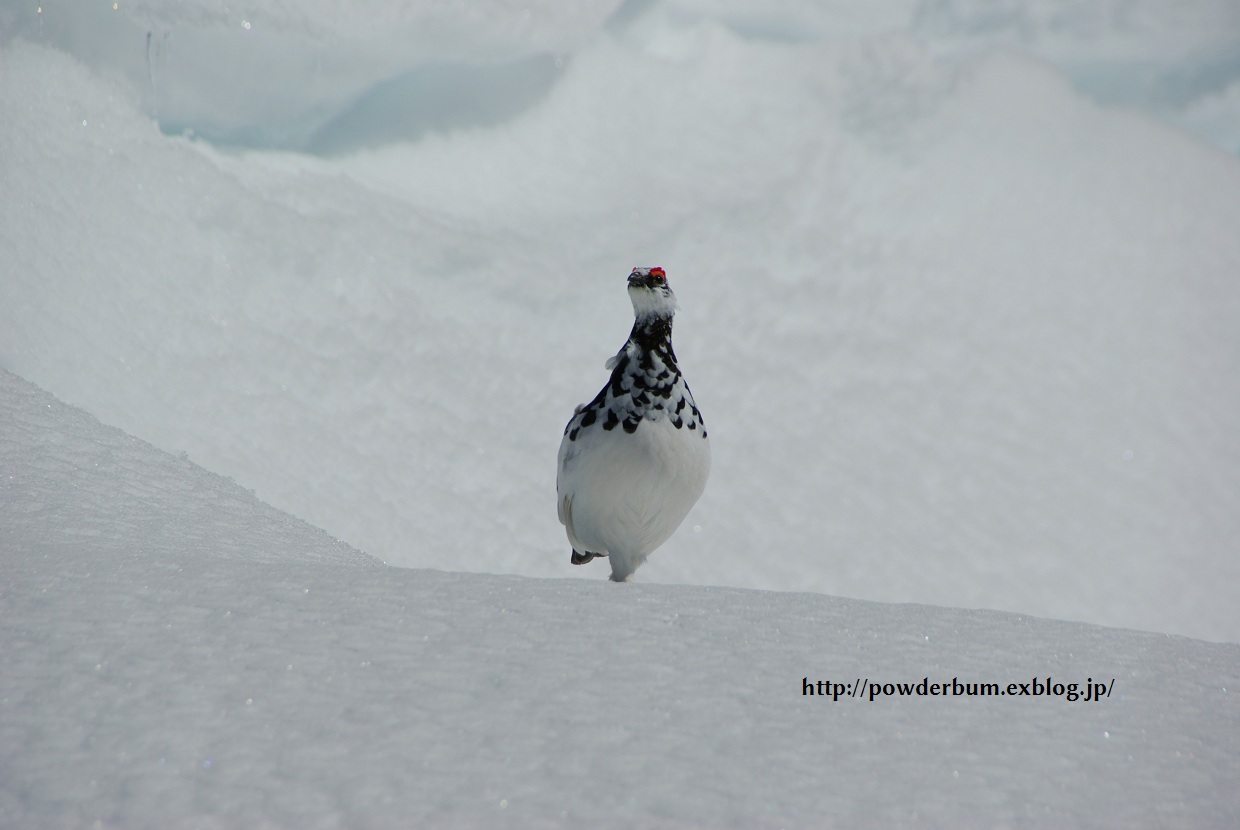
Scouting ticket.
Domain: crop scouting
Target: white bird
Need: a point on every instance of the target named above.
(635, 459)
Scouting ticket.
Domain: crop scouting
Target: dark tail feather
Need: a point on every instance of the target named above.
(582, 558)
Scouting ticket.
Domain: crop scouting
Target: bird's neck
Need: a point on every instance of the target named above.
(653, 333)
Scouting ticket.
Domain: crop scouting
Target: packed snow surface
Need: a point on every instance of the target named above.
(178, 654)
(959, 297)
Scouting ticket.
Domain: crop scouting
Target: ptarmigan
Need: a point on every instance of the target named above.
(635, 459)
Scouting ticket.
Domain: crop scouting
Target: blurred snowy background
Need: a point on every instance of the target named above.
(959, 279)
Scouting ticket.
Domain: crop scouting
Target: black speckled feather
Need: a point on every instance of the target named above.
(645, 385)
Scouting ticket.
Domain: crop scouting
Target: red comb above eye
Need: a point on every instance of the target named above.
(658, 272)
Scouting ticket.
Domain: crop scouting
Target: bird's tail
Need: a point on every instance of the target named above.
(582, 558)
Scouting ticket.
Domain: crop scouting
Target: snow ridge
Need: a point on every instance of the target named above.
(69, 481)
(147, 682)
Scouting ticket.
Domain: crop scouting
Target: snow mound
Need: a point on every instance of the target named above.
(278, 74)
(70, 483)
(319, 76)
(146, 680)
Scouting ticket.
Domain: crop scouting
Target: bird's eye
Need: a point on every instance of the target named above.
(658, 274)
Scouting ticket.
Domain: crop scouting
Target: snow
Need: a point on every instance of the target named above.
(177, 653)
(962, 334)
(958, 289)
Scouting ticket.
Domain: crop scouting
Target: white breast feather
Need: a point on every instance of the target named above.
(624, 494)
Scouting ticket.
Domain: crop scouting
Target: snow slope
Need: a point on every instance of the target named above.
(177, 654)
(962, 335)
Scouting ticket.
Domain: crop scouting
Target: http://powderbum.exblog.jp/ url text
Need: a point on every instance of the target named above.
(1091, 691)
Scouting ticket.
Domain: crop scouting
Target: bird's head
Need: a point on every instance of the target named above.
(650, 293)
